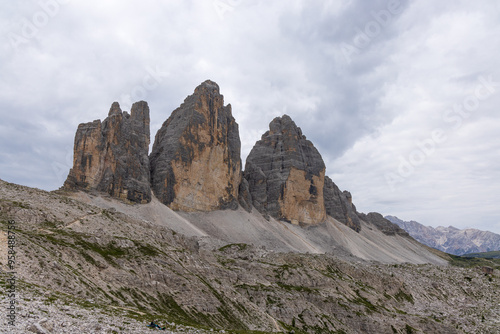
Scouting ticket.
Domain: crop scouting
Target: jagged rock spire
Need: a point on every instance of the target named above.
(112, 156)
(195, 161)
(286, 174)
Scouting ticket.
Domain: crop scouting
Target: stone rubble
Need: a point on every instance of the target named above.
(40, 315)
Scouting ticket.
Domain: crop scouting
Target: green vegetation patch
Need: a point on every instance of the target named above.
(49, 224)
(146, 249)
(469, 262)
(409, 329)
(227, 310)
(296, 288)
(108, 214)
(402, 296)
(79, 242)
(360, 300)
(20, 205)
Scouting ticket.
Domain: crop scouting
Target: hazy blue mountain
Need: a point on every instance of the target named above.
(450, 239)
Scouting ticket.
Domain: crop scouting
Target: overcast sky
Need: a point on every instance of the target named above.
(400, 97)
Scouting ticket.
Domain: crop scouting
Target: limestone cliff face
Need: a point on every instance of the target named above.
(195, 161)
(339, 205)
(112, 156)
(286, 174)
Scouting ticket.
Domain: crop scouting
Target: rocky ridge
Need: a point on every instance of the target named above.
(450, 239)
(112, 156)
(383, 224)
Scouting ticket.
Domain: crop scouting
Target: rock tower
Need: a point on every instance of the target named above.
(112, 156)
(195, 160)
(286, 174)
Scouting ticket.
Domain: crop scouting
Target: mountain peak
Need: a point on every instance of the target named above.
(195, 160)
(207, 86)
(115, 109)
(451, 239)
(195, 163)
(286, 174)
(285, 124)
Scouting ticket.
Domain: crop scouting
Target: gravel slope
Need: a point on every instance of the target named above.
(239, 226)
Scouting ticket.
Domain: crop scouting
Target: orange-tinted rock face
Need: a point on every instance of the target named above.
(286, 174)
(111, 156)
(195, 161)
(302, 200)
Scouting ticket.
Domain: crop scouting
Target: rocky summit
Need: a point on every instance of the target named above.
(195, 161)
(285, 178)
(112, 156)
(286, 174)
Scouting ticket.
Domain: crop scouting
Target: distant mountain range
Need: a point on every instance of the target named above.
(450, 239)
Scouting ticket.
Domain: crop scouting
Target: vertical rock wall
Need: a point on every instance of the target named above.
(286, 174)
(339, 205)
(195, 160)
(112, 156)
